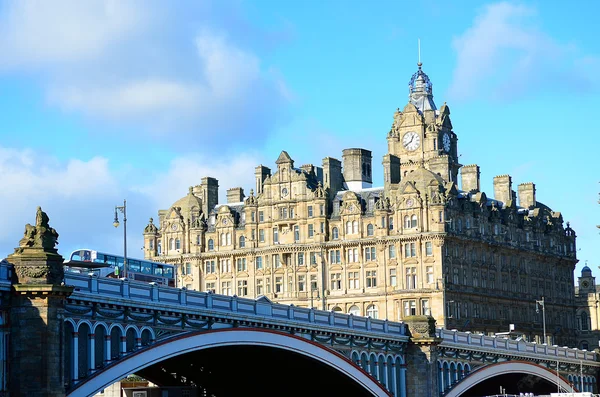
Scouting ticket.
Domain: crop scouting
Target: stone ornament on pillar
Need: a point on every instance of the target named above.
(36, 260)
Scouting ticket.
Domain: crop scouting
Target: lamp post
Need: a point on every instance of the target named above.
(123, 210)
(537, 310)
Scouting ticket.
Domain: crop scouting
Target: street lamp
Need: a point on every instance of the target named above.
(537, 310)
(123, 210)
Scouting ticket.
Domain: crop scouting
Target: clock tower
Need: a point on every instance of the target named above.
(587, 282)
(421, 135)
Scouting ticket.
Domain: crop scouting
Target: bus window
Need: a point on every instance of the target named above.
(158, 270)
(168, 272)
(133, 265)
(146, 268)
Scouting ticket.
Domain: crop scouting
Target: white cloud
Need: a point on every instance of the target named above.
(505, 53)
(148, 67)
(34, 33)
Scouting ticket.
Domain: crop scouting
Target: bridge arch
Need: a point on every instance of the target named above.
(507, 367)
(223, 338)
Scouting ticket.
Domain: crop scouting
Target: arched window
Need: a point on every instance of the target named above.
(228, 238)
(348, 227)
(336, 309)
(584, 322)
(242, 242)
(177, 244)
(406, 222)
(354, 310)
(172, 244)
(335, 234)
(211, 245)
(355, 227)
(372, 311)
(391, 223)
(413, 221)
(370, 230)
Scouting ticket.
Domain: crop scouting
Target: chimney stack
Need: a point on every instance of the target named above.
(527, 195)
(503, 188)
(235, 195)
(470, 178)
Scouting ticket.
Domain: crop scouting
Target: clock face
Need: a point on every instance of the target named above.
(224, 221)
(411, 140)
(351, 208)
(409, 203)
(585, 284)
(174, 226)
(446, 142)
(284, 192)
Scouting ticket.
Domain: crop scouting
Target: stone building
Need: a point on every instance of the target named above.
(587, 299)
(426, 242)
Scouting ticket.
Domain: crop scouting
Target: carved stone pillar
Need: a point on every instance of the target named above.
(421, 357)
(36, 311)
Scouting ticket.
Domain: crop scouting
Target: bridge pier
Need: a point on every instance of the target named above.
(36, 366)
(421, 358)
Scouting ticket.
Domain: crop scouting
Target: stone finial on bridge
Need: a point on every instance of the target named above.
(421, 326)
(36, 260)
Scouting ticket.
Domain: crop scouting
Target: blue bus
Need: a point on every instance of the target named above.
(108, 265)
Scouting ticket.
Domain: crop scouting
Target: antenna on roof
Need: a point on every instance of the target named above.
(419, 46)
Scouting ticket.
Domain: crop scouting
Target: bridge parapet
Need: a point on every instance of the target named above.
(477, 342)
(154, 296)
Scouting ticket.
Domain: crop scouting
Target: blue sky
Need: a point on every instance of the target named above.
(110, 100)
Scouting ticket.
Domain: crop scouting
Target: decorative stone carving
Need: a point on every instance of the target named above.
(421, 326)
(39, 236)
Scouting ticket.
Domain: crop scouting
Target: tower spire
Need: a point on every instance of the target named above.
(419, 59)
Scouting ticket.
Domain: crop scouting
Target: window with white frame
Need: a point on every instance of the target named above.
(334, 256)
(242, 242)
(211, 245)
(313, 282)
(259, 262)
(276, 261)
(259, 286)
(275, 235)
(302, 283)
(261, 236)
(336, 281)
(228, 238)
(261, 216)
(371, 278)
(226, 288)
(352, 255)
(242, 289)
(425, 309)
(392, 251)
(429, 272)
(225, 265)
(393, 278)
(348, 227)
(353, 281)
(241, 265)
(355, 227)
(410, 308)
(300, 260)
(296, 233)
(413, 221)
(313, 258)
(209, 266)
(210, 287)
(411, 277)
(322, 209)
(428, 248)
(407, 222)
(335, 234)
(311, 231)
(410, 250)
(370, 254)
(370, 230)
(372, 311)
(278, 285)
(391, 223)
(310, 211)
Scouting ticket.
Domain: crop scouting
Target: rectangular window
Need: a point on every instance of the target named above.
(393, 278)
(429, 270)
(370, 254)
(383, 222)
(310, 211)
(210, 287)
(268, 285)
(428, 248)
(313, 282)
(209, 266)
(253, 216)
(261, 236)
(259, 286)
(411, 277)
(410, 308)
(392, 251)
(188, 268)
(242, 287)
(290, 283)
(353, 282)
(300, 258)
(241, 265)
(226, 288)
(276, 261)
(296, 233)
(322, 227)
(313, 258)
(278, 285)
(311, 231)
(322, 209)
(334, 256)
(336, 281)
(284, 213)
(259, 262)
(302, 283)
(425, 310)
(371, 278)
(410, 250)
(352, 255)
(275, 235)
(261, 216)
